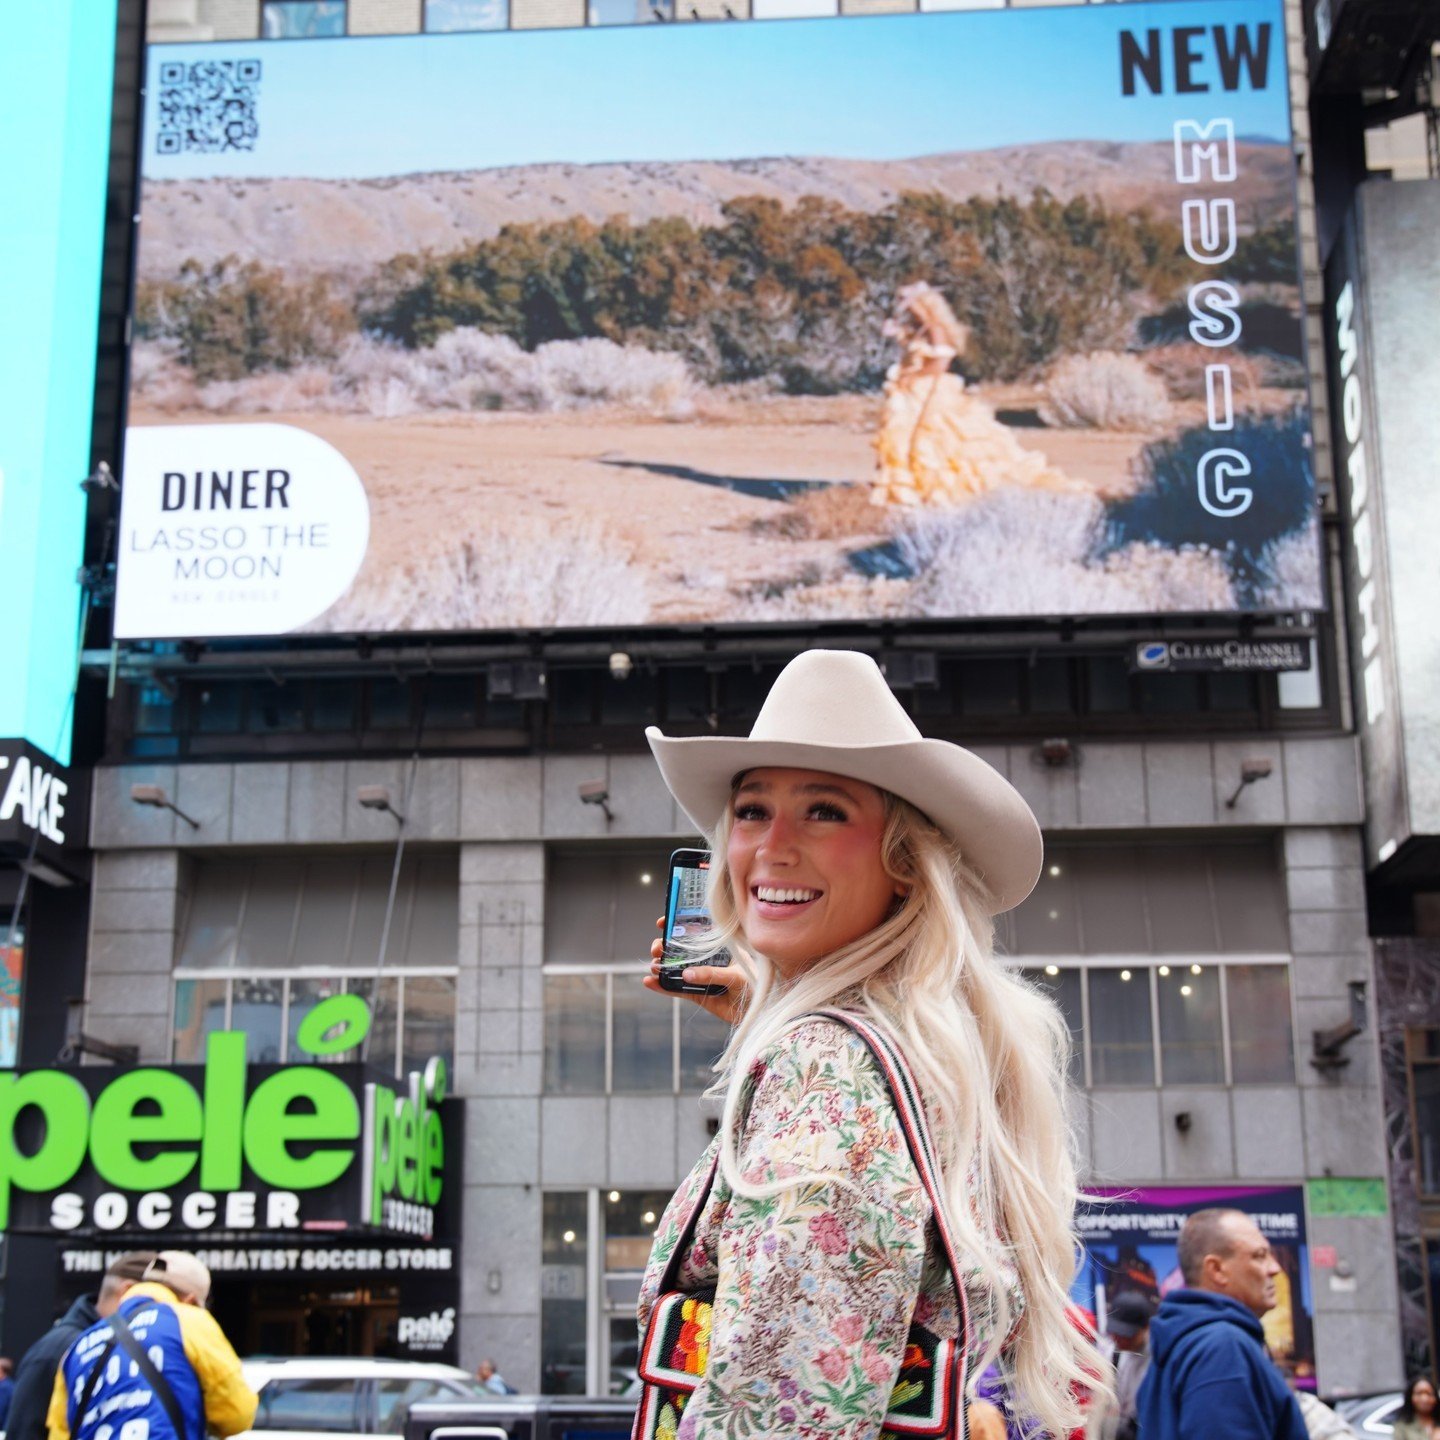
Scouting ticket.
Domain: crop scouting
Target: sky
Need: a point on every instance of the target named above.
(882, 87)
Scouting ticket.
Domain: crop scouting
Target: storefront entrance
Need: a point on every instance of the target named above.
(290, 1319)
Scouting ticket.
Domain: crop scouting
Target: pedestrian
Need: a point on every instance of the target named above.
(35, 1377)
(7, 1387)
(1210, 1373)
(1417, 1419)
(493, 1380)
(1127, 1323)
(178, 1375)
(801, 1270)
(1321, 1422)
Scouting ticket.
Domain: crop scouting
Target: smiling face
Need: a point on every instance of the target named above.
(804, 861)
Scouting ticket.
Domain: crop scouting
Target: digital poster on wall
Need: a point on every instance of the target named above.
(1129, 1238)
(929, 316)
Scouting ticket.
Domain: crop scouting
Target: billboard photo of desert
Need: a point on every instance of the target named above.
(734, 324)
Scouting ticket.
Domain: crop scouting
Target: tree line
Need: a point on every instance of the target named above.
(794, 296)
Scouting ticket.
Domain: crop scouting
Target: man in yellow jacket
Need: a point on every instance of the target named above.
(177, 1379)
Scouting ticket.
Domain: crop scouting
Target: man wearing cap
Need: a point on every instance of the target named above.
(177, 1372)
(1127, 1323)
(35, 1377)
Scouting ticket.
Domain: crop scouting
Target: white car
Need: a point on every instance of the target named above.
(1371, 1415)
(354, 1398)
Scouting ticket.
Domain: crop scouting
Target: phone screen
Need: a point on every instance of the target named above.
(687, 916)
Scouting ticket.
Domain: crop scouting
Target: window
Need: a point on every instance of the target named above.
(393, 1399)
(1191, 1052)
(1190, 1022)
(264, 941)
(792, 9)
(1156, 898)
(628, 12)
(302, 19)
(326, 1405)
(1065, 987)
(564, 1258)
(605, 1034)
(615, 1229)
(601, 906)
(279, 914)
(1122, 1047)
(1422, 1059)
(451, 15)
(1262, 1034)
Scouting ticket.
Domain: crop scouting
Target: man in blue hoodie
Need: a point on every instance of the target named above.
(1210, 1373)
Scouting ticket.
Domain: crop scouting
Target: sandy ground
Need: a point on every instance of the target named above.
(654, 487)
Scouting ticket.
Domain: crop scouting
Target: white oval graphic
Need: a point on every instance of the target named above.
(234, 530)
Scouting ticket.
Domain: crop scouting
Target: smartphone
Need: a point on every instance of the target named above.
(687, 916)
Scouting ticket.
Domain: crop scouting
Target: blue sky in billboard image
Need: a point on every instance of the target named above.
(880, 87)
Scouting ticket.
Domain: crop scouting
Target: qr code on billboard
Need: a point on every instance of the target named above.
(208, 106)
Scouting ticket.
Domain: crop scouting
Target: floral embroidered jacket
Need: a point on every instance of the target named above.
(815, 1287)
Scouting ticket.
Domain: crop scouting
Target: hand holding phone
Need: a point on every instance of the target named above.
(687, 917)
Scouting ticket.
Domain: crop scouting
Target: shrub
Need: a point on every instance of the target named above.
(811, 597)
(1182, 369)
(797, 293)
(1290, 572)
(1166, 510)
(306, 388)
(470, 370)
(233, 319)
(518, 574)
(158, 380)
(1105, 391)
(1035, 552)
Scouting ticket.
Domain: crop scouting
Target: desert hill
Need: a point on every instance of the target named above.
(349, 225)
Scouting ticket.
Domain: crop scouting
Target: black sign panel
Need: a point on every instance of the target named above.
(1263, 656)
(44, 808)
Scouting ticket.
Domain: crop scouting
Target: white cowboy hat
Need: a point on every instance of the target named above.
(831, 710)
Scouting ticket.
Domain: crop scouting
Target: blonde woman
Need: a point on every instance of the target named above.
(938, 444)
(863, 867)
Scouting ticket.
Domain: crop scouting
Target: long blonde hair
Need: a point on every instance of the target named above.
(989, 1052)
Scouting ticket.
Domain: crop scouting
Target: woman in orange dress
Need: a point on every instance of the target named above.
(938, 444)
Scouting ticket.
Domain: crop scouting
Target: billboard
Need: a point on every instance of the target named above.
(1129, 1238)
(1382, 290)
(890, 317)
(56, 75)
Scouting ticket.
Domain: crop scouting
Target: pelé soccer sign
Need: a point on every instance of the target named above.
(227, 1145)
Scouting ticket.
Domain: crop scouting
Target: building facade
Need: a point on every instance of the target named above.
(1202, 919)
(1196, 946)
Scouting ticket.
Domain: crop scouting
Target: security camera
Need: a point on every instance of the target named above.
(597, 792)
(621, 665)
(377, 797)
